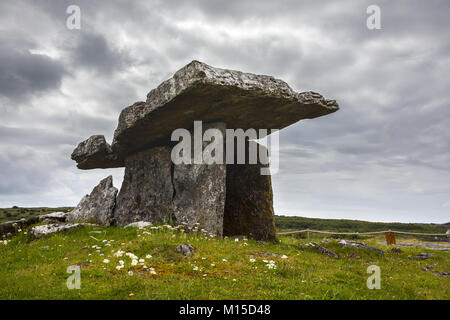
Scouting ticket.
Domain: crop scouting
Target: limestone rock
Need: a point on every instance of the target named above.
(46, 229)
(201, 92)
(199, 192)
(97, 207)
(249, 201)
(54, 217)
(323, 250)
(95, 152)
(139, 224)
(186, 250)
(147, 191)
(346, 243)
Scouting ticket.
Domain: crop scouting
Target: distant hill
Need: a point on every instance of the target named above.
(343, 225)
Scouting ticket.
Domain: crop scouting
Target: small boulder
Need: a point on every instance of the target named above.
(323, 250)
(346, 243)
(186, 250)
(423, 256)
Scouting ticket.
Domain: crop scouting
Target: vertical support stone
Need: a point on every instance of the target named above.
(249, 201)
(200, 190)
(147, 190)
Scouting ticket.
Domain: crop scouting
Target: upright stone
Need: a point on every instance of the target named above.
(200, 190)
(249, 200)
(147, 191)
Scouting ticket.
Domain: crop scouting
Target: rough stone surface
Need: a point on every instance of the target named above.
(46, 229)
(54, 217)
(97, 207)
(323, 250)
(249, 201)
(346, 243)
(147, 191)
(139, 224)
(186, 250)
(95, 152)
(200, 192)
(201, 92)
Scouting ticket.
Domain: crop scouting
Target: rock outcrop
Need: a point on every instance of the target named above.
(97, 207)
(46, 229)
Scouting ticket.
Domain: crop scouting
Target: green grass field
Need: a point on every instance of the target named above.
(17, 213)
(219, 269)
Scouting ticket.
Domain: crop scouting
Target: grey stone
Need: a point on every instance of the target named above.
(199, 192)
(95, 152)
(323, 250)
(46, 229)
(147, 191)
(186, 250)
(54, 217)
(139, 224)
(249, 201)
(97, 207)
(346, 243)
(201, 92)
(423, 256)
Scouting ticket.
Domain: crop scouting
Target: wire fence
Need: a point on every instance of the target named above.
(365, 233)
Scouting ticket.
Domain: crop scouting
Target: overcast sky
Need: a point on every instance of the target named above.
(384, 156)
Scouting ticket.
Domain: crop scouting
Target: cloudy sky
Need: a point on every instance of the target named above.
(385, 156)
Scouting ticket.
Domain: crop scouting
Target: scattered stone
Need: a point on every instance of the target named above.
(98, 207)
(139, 224)
(423, 256)
(441, 273)
(53, 217)
(46, 229)
(396, 250)
(186, 250)
(326, 240)
(346, 243)
(427, 268)
(323, 250)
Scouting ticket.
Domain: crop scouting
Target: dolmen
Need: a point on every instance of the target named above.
(190, 154)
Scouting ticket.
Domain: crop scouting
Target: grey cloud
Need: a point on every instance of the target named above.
(23, 73)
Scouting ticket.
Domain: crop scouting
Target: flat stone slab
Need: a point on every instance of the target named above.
(201, 92)
(46, 229)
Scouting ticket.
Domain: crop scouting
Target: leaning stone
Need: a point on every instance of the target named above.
(186, 250)
(94, 153)
(98, 207)
(139, 224)
(46, 229)
(201, 92)
(147, 191)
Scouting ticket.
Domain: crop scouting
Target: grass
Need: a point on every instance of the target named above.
(36, 269)
(17, 213)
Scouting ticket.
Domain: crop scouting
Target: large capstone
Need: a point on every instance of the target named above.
(201, 92)
(98, 206)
